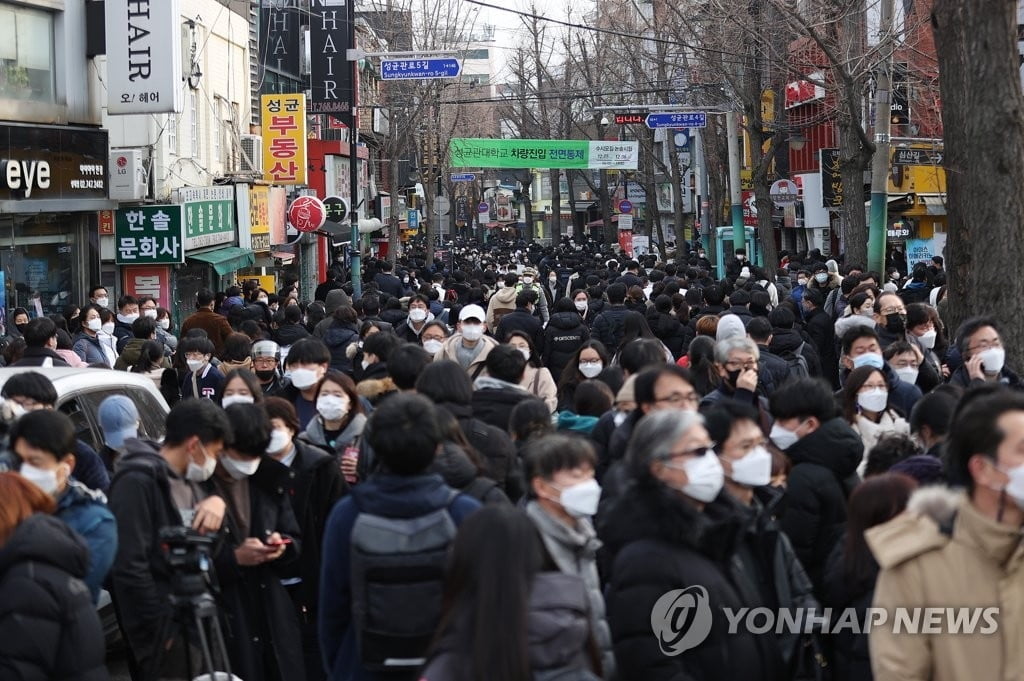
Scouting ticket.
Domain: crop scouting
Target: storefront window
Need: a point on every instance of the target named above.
(26, 54)
(37, 258)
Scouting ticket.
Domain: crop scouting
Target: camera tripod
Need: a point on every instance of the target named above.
(193, 606)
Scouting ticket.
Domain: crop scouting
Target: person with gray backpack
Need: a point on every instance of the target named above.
(385, 548)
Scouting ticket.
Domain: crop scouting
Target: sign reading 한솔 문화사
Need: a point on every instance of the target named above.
(149, 235)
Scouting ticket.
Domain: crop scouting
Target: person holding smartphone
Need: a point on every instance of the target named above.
(261, 541)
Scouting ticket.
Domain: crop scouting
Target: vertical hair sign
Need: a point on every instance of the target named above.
(330, 70)
(143, 56)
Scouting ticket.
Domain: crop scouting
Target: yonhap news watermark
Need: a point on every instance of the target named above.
(682, 619)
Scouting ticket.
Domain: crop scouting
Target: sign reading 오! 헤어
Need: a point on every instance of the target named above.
(143, 56)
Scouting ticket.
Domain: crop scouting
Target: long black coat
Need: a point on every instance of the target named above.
(521, 320)
(824, 466)
(260, 624)
(658, 542)
(50, 627)
(671, 332)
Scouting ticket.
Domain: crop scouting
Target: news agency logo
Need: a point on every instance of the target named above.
(682, 619)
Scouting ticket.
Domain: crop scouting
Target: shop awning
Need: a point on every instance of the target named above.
(226, 260)
(336, 232)
(934, 204)
(597, 223)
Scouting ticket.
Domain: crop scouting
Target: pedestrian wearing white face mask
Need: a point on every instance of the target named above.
(202, 380)
(954, 547)
(825, 452)
(865, 405)
(339, 421)
(984, 358)
(262, 630)
(927, 334)
(468, 345)
(562, 500)
(768, 561)
(668, 531)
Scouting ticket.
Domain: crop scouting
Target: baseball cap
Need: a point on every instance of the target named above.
(472, 312)
(119, 420)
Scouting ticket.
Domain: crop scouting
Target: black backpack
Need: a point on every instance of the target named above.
(397, 580)
(797, 363)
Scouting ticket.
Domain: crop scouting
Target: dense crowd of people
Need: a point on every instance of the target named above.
(496, 466)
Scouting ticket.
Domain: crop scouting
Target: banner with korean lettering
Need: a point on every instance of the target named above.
(511, 153)
(147, 235)
(284, 138)
(152, 281)
(259, 217)
(209, 215)
(831, 178)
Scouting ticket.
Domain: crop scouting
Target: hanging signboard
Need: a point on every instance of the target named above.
(284, 138)
(209, 215)
(143, 56)
(149, 235)
(330, 72)
(513, 153)
(831, 178)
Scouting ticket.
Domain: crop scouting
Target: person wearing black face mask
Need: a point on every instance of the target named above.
(736, 362)
(890, 319)
(265, 361)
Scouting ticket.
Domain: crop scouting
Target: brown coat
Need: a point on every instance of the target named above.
(215, 325)
(943, 553)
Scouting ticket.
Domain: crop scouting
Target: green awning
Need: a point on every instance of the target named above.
(226, 260)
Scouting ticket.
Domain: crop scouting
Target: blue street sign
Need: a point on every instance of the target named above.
(412, 69)
(483, 208)
(412, 220)
(463, 177)
(625, 206)
(695, 119)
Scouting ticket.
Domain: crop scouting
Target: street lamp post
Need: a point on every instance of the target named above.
(606, 204)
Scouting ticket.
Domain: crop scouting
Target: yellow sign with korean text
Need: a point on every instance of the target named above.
(284, 138)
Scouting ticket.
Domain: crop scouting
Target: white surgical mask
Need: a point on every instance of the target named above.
(94, 324)
(784, 438)
(590, 369)
(197, 473)
(927, 339)
(364, 363)
(332, 407)
(581, 305)
(801, 281)
(150, 313)
(993, 359)
(417, 314)
(553, 280)
(42, 478)
(127, 318)
(263, 300)
(103, 302)
(869, 359)
(472, 332)
(525, 352)
(239, 469)
(874, 400)
(704, 477)
(108, 328)
(581, 500)
(164, 323)
(821, 277)
(908, 374)
(866, 311)
(432, 346)
(754, 468)
(1015, 487)
(228, 400)
(527, 280)
(195, 364)
(279, 440)
(303, 378)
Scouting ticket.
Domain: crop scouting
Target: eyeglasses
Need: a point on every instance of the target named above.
(986, 344)
(696, 451)
(590, 362)
(738, 366)
(894, 310)
(676, 399)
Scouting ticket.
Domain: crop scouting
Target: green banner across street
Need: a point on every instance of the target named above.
(513, 153)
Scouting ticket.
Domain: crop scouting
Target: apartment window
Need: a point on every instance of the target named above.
(476, 54)
(26, 54)
(172, 133)
(218, 128)
(193, 114)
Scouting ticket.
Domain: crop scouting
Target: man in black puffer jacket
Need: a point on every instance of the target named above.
(608, 326)
(51, 629)
(825, 452)
(565, 333)
(667, 328)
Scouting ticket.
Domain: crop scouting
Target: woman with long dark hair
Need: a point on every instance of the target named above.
(587, 362)
(866, 407)
(486, 632)
(537, 379)
(852, 570)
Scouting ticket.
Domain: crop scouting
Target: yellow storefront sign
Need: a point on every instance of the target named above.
(284, 138)
(259, 217)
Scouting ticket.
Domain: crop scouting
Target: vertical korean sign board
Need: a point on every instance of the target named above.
(143, 56)
(209, 215)
(331, 90)
(283, 123)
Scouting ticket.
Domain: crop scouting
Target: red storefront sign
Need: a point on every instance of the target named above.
(148, 280)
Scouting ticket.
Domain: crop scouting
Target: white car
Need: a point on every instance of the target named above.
(80, 392)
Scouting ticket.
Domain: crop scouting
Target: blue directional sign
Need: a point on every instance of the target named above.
(463, 177)
(412, 69)
(693, 119)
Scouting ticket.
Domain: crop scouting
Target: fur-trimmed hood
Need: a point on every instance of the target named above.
(374, 388)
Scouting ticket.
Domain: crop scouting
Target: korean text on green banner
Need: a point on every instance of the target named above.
(512, 153)
(149, 235)
(209, 215)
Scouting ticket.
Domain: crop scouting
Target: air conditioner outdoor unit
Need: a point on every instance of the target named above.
(252, 154)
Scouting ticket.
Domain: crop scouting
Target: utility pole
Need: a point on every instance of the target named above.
(880, 161)
(355, 267)
(735, 192)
